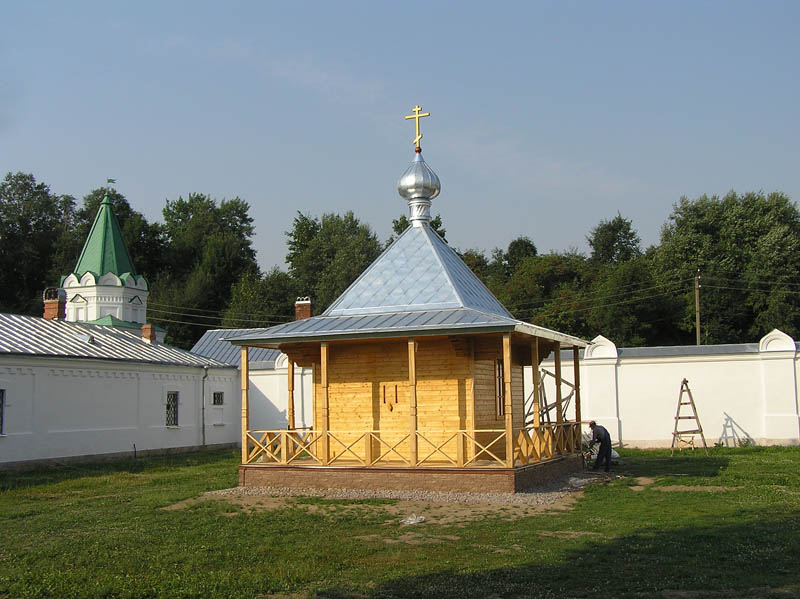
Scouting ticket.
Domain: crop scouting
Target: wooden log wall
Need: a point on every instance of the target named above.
(368, 389)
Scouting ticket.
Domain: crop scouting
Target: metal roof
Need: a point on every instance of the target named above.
(417, 286)
(212, 345)
(662, 351)
(418, 272)
(687, 350)
(105, 250)
(34, 336)
(394, 324)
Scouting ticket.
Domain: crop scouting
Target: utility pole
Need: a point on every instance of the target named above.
(697, 304)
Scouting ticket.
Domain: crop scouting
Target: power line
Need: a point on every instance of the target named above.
(601, 301)
(198, 324)
(593, 293)
(223, 312)
(637, 299)
(772, 283)
(792, 291)
(218, 318)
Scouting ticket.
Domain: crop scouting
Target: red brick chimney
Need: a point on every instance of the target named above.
(149, 333)
(302, 308)
(55, 304)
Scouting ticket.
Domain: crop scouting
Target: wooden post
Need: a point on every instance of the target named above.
(245, 374)
(537, 417)
(412, 400)
(324, 384)
(507, 398)
(471, 442)
(290, 398)
(577, 369)
(559, 405)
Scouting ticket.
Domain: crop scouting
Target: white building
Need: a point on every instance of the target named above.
(104, 288)
(92, 378)
(744, 393)
(269, 386)
(76, 389)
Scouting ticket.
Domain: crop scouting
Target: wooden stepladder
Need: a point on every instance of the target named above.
(685, 438)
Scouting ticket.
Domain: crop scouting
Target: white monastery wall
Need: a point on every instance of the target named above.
(269, 397)
(64, 408)
(740, 394)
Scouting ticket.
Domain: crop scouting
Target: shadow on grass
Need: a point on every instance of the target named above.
(758, 556)
(695, 464)
(55, 472)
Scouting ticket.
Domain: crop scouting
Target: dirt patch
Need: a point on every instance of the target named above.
(709, 488)
(451, 514)
(642, 482)
(452, 509)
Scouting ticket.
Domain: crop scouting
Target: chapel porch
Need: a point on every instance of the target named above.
(535, 438)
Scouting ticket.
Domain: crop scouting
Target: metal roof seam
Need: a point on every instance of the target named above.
(472, 280)
(429, 231)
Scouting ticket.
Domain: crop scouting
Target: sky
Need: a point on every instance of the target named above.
(546, 117)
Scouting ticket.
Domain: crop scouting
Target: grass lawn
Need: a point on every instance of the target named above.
(727, 525)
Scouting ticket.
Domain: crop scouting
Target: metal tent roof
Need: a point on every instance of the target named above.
(212, 345)
(417, 286)
(419, 271)
(105, 250)
(34, 336)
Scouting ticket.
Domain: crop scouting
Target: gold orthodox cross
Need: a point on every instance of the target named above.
(417, 116)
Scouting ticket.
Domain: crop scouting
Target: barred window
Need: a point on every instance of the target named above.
(219, 398)
(2, 411)
(172, 408)
(499, 388)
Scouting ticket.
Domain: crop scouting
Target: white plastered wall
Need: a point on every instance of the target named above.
(748, 396)
(269, 392)
(90, 299)
(57, 408)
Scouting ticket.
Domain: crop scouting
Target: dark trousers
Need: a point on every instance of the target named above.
(603, 454)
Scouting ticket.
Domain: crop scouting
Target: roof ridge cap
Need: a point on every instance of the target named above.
(507, 314)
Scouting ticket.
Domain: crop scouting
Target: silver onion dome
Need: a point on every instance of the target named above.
(419, 185)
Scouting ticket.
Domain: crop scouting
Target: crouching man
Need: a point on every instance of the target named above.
(600, 435)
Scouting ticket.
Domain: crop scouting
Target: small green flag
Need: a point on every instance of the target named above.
(111, 180)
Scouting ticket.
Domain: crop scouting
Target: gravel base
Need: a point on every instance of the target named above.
(546, 494)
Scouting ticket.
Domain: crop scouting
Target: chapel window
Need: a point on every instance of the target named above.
(172, 408)
(499, 388)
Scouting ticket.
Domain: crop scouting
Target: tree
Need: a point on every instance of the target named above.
(550, 291)
(261, 301)
(630, 307)
(399, 225)
(614, 241)
(32, 221)
(477, 263)
(326, 255)
(747, 248)
(209, 249)
(519, 249)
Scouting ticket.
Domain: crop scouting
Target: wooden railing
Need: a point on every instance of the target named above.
(459, 449)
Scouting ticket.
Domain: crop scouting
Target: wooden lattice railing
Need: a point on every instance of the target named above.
(460, 449)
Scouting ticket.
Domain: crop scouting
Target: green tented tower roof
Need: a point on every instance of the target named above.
(104, 250)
